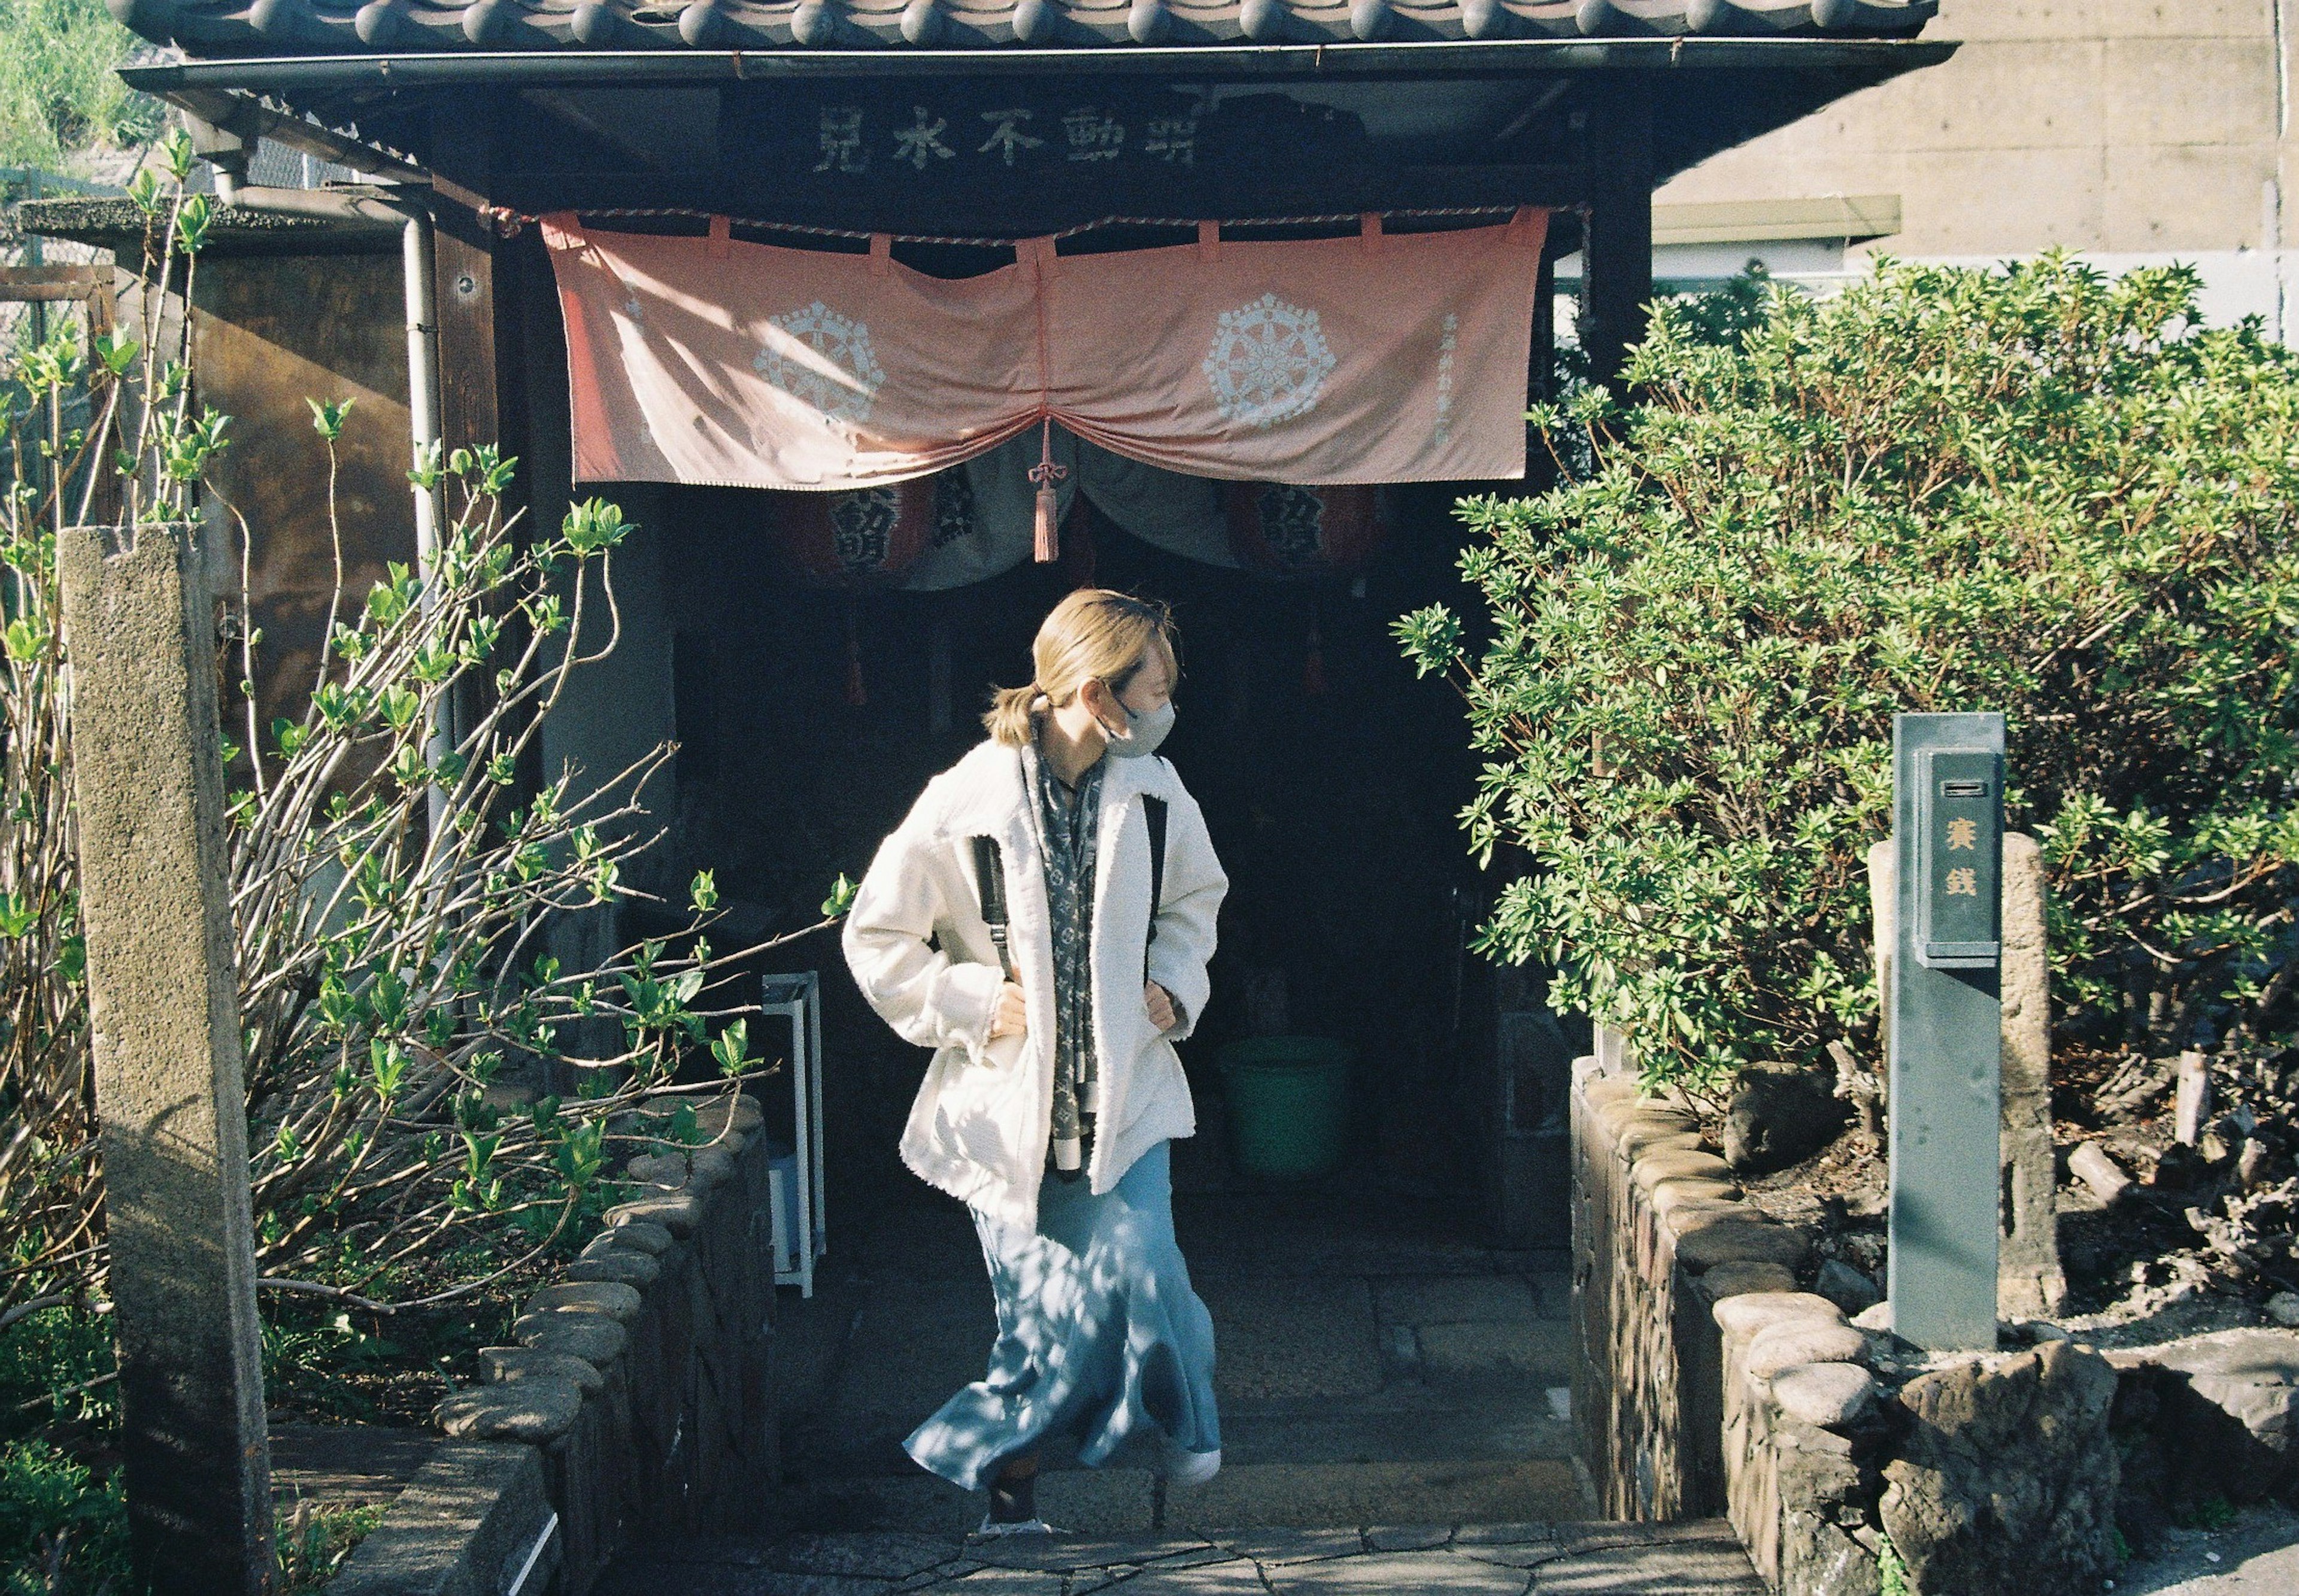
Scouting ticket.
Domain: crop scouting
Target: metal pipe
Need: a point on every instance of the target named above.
(418, 266)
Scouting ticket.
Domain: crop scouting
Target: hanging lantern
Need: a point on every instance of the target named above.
(1283, 531)
(865, 538)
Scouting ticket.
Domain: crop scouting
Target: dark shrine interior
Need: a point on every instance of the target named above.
(1332, 779)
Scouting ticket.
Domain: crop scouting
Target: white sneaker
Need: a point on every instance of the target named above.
(992, 1528)
(1186, 1468)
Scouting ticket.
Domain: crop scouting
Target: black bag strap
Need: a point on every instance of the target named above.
(990, 881)
(1153, 810)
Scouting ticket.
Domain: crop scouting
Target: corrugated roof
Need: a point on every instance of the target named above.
(205, 28)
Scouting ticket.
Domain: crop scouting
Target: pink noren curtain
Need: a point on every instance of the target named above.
(1380, 358)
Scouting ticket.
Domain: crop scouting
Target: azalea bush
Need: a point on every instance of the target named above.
(2040, 490)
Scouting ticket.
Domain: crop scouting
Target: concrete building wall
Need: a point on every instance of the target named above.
(2131, 130)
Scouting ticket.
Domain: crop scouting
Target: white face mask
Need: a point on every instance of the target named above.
(1144, 732)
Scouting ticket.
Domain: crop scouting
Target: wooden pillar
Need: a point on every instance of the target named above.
(1616, 280)
(163, 1003)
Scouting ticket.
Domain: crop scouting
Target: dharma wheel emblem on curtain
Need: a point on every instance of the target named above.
(1268, 363)
(823, 360)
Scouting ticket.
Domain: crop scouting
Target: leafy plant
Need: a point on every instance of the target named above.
(62, 1530)
(2040, 491)
(1891, 1572)
(396, 884)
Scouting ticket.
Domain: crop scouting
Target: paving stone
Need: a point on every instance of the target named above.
(1273, 1548)
(1542, 1347)
(1497, 1535)
(1293, 1338)
(1067, 1553)
(1237, 1578)
(1695, 1569)
(1381, 1493)
(1408, 1537)
(1004, 1581)
(1391, 1572)
(1454, 1299)
(879, 1556)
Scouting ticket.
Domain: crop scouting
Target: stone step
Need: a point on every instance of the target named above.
(1697, 1559)
(1130, 1501)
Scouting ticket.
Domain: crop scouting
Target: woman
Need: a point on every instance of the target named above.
(1042, 920)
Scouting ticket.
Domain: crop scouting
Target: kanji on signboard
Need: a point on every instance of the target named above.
(1963, 833)
(1094, 134)
(1963, 883)
(1173, 139)
(920, 143)
(842, 140)
(1007, 137)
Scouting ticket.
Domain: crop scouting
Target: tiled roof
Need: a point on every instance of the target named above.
(218, 28)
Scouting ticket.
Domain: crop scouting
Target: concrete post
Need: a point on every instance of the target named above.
(2030, 1281)
(164, 1011)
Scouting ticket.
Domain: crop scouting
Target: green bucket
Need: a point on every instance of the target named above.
(1289, 1104)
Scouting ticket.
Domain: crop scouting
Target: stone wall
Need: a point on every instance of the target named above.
(643, 1378)
(1708, 1382)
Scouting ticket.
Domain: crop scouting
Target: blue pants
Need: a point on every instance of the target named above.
(1100, 1335)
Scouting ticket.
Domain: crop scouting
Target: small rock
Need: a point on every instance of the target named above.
(634, 1269)
(1876, 1320)
(1827, 1394)
(2096, 1168)
(530, 1410)
(595, 1338)
(503, 1365)
(1847, 1286)
(1803, 1340)
(1744, 1316)
(1780, 1116)
(639, 1234)
(1738, 1279)
(2283, 1308)
(609, 1297)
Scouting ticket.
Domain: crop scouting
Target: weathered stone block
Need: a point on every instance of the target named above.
(677, 1214)
(1783, 1346)
(1743, 1316)
(1827, 1395)
(506, 1364)
(642, 1236)
(634, 1269)
(2006, 1478)
(616, 1300)
(1781, 1115)
(534, 1410)
(1738, 1279)
(2230, 1410)
(595, 1338)
(1741, 1241)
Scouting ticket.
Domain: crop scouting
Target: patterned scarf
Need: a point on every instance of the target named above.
(1069, 823)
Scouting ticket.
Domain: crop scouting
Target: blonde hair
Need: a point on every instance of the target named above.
(1093, 634)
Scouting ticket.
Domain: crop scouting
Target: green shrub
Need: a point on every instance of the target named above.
(59, 92)
(62, 1531)
(2038, 491)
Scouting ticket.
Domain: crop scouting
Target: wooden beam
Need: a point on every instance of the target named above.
(1616, 281)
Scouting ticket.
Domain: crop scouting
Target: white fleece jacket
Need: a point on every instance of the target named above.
(921, 952)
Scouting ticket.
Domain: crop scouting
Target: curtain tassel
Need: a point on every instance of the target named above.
(1045, 474)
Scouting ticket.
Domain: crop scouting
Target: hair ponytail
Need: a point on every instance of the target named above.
(1009, 719)
(1093, 634)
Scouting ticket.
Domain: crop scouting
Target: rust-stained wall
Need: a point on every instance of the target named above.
(273, 332)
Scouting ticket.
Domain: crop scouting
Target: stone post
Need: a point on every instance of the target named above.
(2028, 1279)
(164, 1018)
